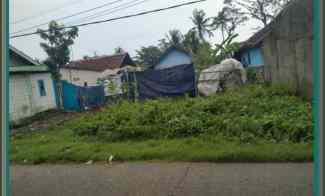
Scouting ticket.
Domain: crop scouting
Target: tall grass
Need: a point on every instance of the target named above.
(251, 113)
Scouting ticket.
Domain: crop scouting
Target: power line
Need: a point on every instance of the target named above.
(104, 12)
(45, 12)
(114, 19)
(69, 16)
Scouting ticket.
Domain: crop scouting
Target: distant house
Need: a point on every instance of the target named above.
(172, 57)
(31, 87)
(172, 76)
(88, 70)
(250, 52)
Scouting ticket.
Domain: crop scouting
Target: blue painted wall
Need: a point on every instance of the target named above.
(252, 57)
(174, 58)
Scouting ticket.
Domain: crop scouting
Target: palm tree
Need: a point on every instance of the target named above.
(191, 41)
(202, 26)
(175, 38)
(228, 20)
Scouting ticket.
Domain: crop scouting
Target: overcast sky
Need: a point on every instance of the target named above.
(130, 34)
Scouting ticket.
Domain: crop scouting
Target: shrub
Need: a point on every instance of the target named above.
(249, 113)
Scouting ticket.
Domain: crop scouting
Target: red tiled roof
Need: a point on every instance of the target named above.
(101, 63)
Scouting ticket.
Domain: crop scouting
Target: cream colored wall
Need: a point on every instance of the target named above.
(25, 99)
(79, 77)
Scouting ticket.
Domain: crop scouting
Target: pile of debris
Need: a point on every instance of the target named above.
(228, 74)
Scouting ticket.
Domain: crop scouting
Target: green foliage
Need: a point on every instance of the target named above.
(175, 38)
(118, 50)
(227, 48)
(251, 75)
(58, 40)
(61, 146)
(227, 20)
(201, 24)
(254, 112)
(204, 57)
(148, 56)
(261, 10)
(191, 41)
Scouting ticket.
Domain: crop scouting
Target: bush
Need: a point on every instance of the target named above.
(255, 111)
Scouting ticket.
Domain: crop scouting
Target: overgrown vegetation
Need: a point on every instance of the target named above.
(254, 123)
(252, 113)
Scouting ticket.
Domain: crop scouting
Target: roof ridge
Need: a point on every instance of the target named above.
(99, 57)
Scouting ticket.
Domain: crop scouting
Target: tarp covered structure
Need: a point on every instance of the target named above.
(170, 82)
(78, 98)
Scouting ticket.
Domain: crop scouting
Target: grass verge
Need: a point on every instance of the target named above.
(62, 146)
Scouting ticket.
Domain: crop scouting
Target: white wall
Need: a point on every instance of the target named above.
(79, 77)
(25, 99)
(173, 59)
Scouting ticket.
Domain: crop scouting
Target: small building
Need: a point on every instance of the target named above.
(88, 71)
(31, 87)
(173, 57)
(284, 47)
(250, 52)
(172, 76)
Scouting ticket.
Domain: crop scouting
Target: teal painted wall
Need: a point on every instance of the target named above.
(252, 57)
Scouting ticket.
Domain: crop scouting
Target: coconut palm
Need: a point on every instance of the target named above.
(201, 22)
(175, 38)
(191, 41)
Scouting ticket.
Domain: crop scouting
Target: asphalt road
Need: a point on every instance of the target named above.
(163, 179)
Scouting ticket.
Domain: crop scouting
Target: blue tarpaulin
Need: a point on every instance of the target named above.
(78, 98)
(170, 82)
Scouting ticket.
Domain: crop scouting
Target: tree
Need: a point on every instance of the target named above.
(226, 49)
(228, 20)
(175, 38)
(148, 56)
(58, 40)
(119, 50)
(204, 57)
(201, 24)
(191, 41)
(262, 10)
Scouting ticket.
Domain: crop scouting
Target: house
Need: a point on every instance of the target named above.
(31, 87)
(172, 76)
(88, 71)
(285, 48)
(172, 57)
(250, 51)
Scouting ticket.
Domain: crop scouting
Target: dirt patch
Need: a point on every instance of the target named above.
(43, 121)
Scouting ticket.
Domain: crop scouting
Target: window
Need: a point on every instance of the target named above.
(41, 88)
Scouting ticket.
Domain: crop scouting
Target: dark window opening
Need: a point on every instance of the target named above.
(41, 88)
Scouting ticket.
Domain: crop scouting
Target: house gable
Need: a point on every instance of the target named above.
(18, 58)
(173, 57)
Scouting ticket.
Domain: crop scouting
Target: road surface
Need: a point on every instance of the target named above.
(163, 179)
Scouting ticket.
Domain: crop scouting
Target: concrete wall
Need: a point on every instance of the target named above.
(25, 99)
(174, 58)
(287, 49)
(79, 77)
